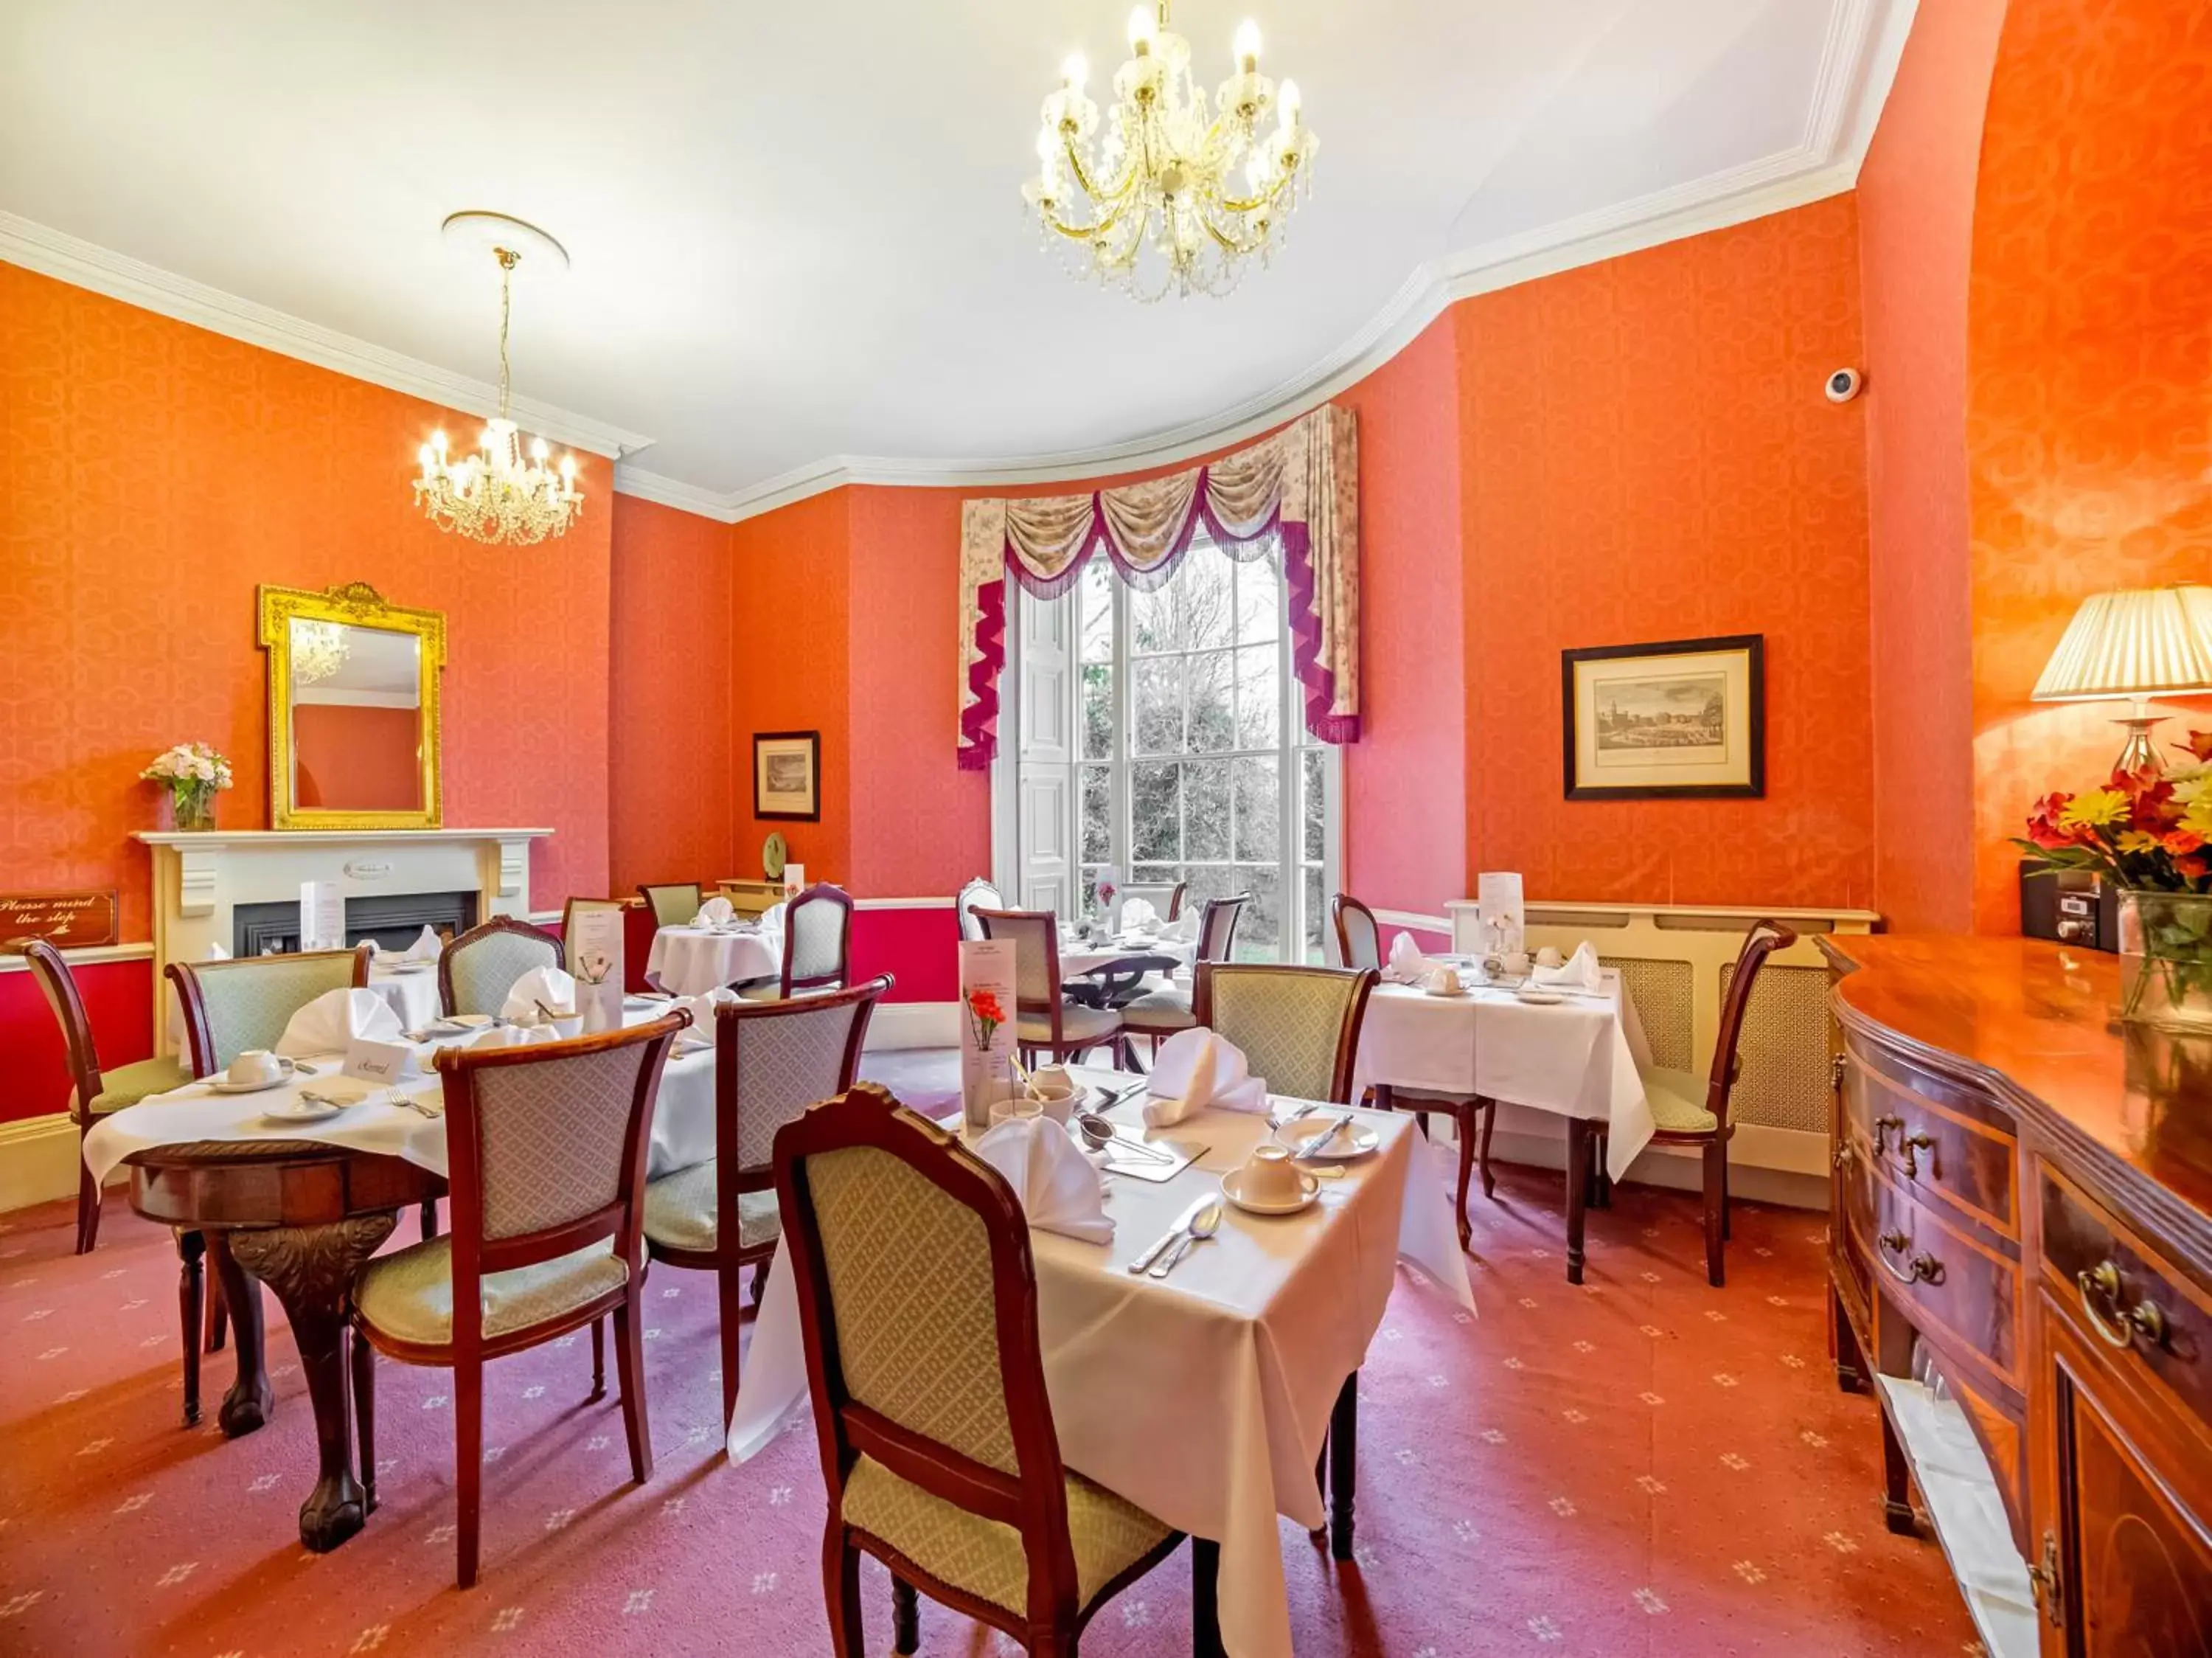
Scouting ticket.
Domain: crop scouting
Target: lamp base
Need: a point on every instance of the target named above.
(2139, 754)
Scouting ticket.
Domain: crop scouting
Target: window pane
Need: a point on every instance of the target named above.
(1154, 874)
(1260, 597)
(1213, 702)
(1316, 806)
(1097, 711)
(1259, 934)
(1095, 593)
(1159, 707)
(1259, 816)
(1259, 696)
(1155, 797)
(1097, 812)
(1316, 916)
(1207, 880)
(1205, 810)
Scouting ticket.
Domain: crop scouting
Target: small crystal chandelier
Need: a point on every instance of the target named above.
(491, 496)
(1205, 188)
(318, 650)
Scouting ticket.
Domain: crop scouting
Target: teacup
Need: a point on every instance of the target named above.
(1270, 1176)
(1015, 1108)
(1444, 981)
(1547, 957)
(255, 1066)
(1054, 1089)
(1516, 963)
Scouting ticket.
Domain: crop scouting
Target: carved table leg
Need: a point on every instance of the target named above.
(1578, 1165)
(1343, 1466)
(191, 1247)
(251, 1400)
(311, 1268)
(1850, 1363)
(1896, 1483)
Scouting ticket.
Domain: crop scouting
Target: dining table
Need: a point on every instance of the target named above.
(1206, 1396)
(691, 959)
(301, 1206)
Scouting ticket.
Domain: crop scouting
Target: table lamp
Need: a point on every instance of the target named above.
(2137, 644)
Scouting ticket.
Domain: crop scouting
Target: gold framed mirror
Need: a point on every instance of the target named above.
(354, 731)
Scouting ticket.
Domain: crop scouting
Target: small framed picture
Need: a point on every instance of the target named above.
(1682, 720)
(787, 775)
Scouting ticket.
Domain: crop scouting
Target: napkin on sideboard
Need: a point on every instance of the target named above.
(1195, 1068)
(1057, 1187)
(716, 912)
(334, 1018)
(551, 986)
(1579, 972)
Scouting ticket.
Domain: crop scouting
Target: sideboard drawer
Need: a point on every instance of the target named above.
(1956, 1289)
(1956, 1158)
(2121, 1295)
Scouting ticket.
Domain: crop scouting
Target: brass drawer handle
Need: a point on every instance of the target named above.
(1922, 1268)
(2101, 1304)
(1837, 1065)
(1881, 1127)
(1912, 1145)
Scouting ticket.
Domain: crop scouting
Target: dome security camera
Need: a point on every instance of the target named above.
(1844, 385)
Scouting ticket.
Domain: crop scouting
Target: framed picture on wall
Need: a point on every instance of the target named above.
(787, 775)
(1683, 720)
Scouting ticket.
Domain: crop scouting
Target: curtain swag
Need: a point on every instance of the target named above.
(1301, 484)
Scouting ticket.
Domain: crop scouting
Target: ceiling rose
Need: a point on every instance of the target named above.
(492, 496)
(1175, 195)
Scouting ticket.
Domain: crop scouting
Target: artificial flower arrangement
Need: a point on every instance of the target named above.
(985, 1015)
(2149, 834)
(193, 772)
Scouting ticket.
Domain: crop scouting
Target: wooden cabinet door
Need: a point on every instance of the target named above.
(2132, 1551)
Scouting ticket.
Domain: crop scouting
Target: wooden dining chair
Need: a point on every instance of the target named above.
(918, 1310)
(1163, 1012)
(817, 946)
(94, 1092)
(545, 1150)
(1298, 1027)
(1359, 944)
(673, 902)
(1690, 1110)
(1044, 1019)
(477, 969)
(772, 1060)
(977, 894)
(1165, 897)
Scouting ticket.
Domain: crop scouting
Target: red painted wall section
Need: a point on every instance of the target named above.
(359, 758)
(671, 753)
(35, 1079)
(918, 946)
(2091, 351)
(1647, 456)
(1916, 198)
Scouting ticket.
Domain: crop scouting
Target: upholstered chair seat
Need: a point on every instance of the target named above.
(985, 1559)
(1678, 1101)
(408, 1296)
(1076, 1025)
(1159, 1013)
(1045, 1022)
(680, 1212)
(126, 1085)
(1166, 1009)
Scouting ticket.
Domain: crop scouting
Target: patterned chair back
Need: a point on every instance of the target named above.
(1762, 940)
(818, 938)
(1358, 940)
(1299, 1027)
(774, 1059)
(977, 894)
(49, 968)
(1217, 928)
(1036, 936)
(546, 1147)
(480, 967)
(918, 1301)
(232, 1006)
(672, 903)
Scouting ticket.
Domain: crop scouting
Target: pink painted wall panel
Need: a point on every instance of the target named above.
(118, 998)
(917, 946)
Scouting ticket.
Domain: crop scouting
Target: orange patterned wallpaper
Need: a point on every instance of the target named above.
(2089, 425)
(150, 474)
(1646, 454)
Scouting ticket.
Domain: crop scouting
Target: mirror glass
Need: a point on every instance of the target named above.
(357, 731)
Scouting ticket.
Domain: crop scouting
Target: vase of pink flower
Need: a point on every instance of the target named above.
(193, 773)
(2149, 834)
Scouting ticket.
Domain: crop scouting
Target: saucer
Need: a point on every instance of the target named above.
(305, 1111)
(1232, 1188)
(1447, 996)
(224, 1085)
(1357, 1140)
(1536, 998)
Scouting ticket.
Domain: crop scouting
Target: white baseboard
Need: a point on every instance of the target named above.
(914, 1024)
(1765, 1165)
(37, 1160)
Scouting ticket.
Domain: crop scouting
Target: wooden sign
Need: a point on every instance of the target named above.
(68, 921)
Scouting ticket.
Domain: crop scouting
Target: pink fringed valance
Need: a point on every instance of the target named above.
(1301, 485)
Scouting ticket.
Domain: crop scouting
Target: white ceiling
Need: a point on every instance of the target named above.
(797, 233)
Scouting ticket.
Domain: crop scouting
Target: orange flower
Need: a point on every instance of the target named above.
(2182, 842)
(984, 1004)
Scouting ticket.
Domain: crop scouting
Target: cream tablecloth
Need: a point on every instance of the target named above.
(1078, 958)
(1575, 1058)
(691, 960)
(683, 1117)
(1203, 1396)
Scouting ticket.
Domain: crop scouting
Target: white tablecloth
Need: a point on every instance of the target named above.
(1203, 1398)
(1078, 958)
(683, 1117)
(1576, 1058)
(691, 960)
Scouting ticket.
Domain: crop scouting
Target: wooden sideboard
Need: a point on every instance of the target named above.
(2021, 1269)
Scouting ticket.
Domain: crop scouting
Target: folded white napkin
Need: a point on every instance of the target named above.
(1183, 929)
(702, 1009)
(215, 953)
(1057, 1184)
(1137, 914)
(1579, 972)
(716, 912)
(426, 947)
(1407, 964)
(550, 985)
(1195, 1068)
(333, 1019)
(771, 919)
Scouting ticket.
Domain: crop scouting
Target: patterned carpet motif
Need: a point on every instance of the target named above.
(1644, 1465)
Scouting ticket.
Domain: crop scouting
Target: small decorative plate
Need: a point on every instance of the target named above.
(772, 853)
(304, 1110)
(224, 1085)
(1309, 1189)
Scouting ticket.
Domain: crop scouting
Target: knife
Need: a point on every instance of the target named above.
(1312, 1148)
(1182, 1229)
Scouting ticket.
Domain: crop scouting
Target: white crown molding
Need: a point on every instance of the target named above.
(69, 259)
(670, 492)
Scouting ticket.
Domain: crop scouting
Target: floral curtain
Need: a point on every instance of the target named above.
(1300, 487)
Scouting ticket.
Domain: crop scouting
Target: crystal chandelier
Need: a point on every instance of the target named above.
(318, 650)
(1204, 187)
(491, 496)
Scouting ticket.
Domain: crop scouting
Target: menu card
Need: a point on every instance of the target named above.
(322, 915)
(986, 1021)
(595, 960)
(1498, 906)
(794, 879)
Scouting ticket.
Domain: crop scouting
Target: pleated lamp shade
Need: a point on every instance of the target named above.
(2145, 642)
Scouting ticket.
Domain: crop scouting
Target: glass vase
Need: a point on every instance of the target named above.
(2166, 960)
(192, 806)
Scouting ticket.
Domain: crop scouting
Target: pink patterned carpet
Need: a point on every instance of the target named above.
(1643, 1466)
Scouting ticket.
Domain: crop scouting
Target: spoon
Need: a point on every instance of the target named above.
(1205, 1224)
(1098, 1133)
